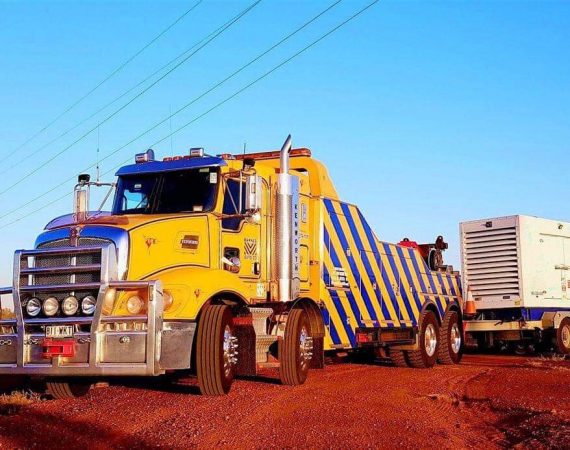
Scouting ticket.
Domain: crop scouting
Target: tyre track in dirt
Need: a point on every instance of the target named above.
(474, 405)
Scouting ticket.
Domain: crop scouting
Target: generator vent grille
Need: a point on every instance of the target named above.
(491, 262)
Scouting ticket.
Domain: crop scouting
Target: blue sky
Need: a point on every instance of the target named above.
(426, 113)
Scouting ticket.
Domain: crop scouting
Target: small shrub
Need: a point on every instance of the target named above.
(12, 403)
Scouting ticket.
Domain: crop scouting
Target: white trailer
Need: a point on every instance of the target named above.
(516, 269)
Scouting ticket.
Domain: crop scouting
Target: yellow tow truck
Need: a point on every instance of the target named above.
(221, 266)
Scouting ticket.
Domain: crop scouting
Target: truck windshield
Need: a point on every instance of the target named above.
(185, 191)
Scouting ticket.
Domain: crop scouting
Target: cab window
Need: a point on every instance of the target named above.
(182, 191)
(232, 204)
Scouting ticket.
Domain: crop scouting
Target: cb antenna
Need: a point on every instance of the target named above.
(171, 134)
(98, 142)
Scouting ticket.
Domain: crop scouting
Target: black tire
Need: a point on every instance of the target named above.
(451, 335)
(293, 368)
(399, 358)
(520, 349)
(215, 371)
(563, 337)
(482, 345)
(429, 329)
(61, 390)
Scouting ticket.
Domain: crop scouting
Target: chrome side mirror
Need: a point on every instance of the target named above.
(253, 193)
(81, 198)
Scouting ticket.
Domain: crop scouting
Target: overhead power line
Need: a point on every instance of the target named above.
(109, 117)
(107, 78)
(218, 105)
(9, 168)
(187, 105)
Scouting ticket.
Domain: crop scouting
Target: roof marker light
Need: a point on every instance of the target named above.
(145, 157)
(296, 152)
(197, 152)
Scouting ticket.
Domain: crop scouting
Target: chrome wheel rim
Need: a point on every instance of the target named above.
(455, 338)
(566, 336)
(430, 340)
(230, 351)
(305, 348)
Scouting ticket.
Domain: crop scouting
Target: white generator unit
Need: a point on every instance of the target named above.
(516, 270)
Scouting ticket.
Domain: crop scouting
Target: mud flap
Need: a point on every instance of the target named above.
(318, 361)
(177, 340)
(246, 366)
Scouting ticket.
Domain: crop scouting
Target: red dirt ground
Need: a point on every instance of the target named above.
(486, 402)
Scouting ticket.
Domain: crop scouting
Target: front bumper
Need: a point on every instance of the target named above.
(103, 345)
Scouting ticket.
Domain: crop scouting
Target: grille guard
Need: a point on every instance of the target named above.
(97, 339)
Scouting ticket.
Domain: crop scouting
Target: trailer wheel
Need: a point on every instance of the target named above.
(296, 350)
(60, 390)
(563, 337)
(451, 333)
(399, 358)
(426, 356)
(216, 350)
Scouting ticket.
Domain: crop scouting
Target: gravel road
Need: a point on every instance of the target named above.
(486, 402)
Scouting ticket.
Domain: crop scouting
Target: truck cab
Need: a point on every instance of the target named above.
(189, 240)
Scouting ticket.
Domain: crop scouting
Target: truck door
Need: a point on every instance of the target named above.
(243, 238)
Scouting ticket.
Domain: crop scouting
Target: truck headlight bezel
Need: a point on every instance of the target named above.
(88, 305)
(50, 306)
(135, 305)
(34, 302)
(70, 306)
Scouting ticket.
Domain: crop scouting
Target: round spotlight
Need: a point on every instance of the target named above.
(50, 307)
(70, 306)
(88, 305)
(33, 307)
(135, 305)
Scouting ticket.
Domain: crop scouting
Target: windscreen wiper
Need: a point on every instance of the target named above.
(155, 194)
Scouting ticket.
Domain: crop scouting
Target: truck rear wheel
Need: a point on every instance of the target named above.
(60, 390)
(399, 358)
(451, 346)
(563, 337)
(296, 350)
(426, 355)
(216, 350)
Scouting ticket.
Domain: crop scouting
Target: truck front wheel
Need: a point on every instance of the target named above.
(426, 355)
(60, 390)
(216, 350)
(563, 337)
(451, 348)
(296, 351)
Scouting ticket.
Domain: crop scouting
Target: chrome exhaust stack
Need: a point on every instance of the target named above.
(286, 237)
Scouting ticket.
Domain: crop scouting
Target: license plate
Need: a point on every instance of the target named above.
(59, 331)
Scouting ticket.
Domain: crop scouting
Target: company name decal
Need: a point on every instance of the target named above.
(190, 242)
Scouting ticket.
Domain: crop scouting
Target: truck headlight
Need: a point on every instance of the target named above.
(70, 306)
(33, 307)
(135, 305)
(168, 300)
(50, 307)
(88, 305)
